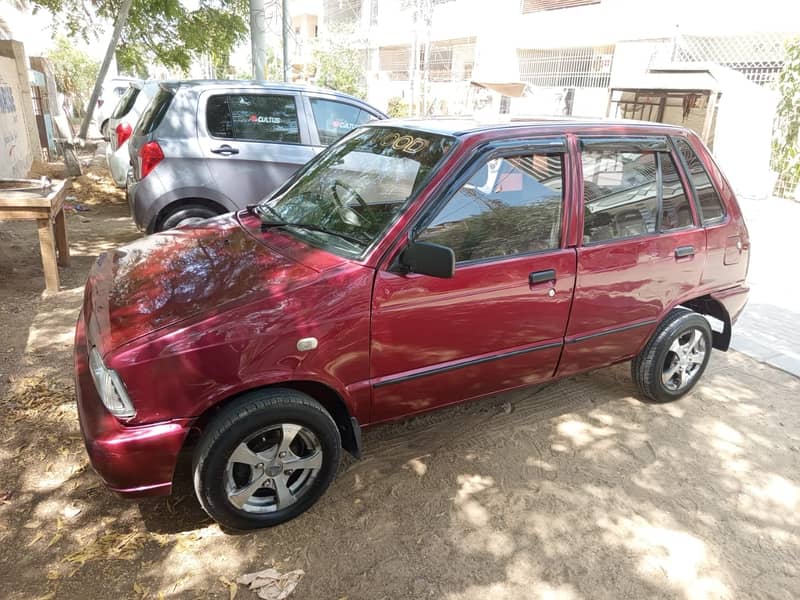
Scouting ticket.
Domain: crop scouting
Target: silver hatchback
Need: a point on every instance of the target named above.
(203, 148)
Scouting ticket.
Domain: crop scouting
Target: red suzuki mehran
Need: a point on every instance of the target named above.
(411, 265)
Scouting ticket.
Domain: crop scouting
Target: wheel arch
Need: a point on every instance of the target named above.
(331, 401)
(706, 305)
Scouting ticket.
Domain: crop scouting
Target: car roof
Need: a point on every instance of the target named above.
(249, 83)
(467, 126)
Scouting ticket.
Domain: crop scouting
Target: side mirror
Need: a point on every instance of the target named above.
(429, 259)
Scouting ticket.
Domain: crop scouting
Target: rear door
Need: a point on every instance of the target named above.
(642, 249)
(499, 322)
(252, 140)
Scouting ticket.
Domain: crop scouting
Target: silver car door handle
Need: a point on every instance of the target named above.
(225, 150)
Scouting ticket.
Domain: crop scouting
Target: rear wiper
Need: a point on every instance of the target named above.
(312, 227)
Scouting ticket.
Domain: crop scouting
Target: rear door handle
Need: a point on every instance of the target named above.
(542, 276)
(225, 150)
(684, 251)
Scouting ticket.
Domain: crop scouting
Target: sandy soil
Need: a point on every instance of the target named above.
(571, 490)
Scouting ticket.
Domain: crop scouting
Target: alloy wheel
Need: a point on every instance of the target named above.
(684, 360)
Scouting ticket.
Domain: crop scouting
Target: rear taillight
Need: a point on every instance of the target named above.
(124, 131)
(150, 155)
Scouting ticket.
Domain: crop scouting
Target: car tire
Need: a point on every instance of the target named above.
(186, 215)
(240, 464)
(674, 358)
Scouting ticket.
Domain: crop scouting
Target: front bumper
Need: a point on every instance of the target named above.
(133, 461)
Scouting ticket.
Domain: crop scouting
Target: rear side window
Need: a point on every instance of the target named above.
(154, 113)
(710, 204)
(620, 194)
(676, 212)
(334, 119)
(510, 206)
(253, 117)
(125, 103)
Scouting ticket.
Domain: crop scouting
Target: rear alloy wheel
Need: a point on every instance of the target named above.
(186, 216)
(675, 357)
(265, 459)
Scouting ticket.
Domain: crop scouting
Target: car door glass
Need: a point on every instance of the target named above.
(711, 209)
(676, 213)
(334, 119)
(511, 205)
(263, 118)
(218, 117)
(620, 195)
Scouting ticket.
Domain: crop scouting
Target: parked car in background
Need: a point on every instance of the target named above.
(203, 148)
(111, 92)
(120, 127)
(410, 266)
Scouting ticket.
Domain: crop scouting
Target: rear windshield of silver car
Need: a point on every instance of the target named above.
(154, 113)
(125, 103)
(346, 199)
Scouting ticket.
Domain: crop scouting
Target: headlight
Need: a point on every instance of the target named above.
(110, 388)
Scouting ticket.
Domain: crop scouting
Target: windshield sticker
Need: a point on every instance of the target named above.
(404, 143)
(260, 119)
(341, 124)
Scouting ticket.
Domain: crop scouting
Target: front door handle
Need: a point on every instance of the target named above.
(684, 251)
(542, 276)
(225, 150)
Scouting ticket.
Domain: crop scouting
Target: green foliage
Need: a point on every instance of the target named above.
(340, 66)
(73, 69)
(786, 142)
(162, 31)
(398, 108)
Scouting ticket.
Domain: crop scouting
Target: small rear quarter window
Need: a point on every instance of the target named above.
(708, 200)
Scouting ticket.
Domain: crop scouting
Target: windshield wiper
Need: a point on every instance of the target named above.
(313, 227)
(256, 210)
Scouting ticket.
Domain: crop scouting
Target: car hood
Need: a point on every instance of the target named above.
(169, 277)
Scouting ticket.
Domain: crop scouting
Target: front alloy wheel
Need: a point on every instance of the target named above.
(265, 458)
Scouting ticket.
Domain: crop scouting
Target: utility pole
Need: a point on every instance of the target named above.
(122, 18)
(285, 29)
(258, 39)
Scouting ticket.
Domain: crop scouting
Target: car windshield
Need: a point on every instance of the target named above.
(347, 198)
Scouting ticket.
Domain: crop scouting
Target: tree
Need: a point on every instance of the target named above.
(162, 31)
(340, 65)
(73, 69)
(786, 142)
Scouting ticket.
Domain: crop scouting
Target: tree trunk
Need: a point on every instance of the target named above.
(122, 18)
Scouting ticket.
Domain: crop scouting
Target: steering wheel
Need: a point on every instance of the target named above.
(360, 214)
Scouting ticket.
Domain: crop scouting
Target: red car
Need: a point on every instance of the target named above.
(410, 266)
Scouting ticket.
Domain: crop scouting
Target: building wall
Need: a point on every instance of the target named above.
(18, 134)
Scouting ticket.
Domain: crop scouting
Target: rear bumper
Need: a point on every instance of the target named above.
(132, 461)
(118, 163)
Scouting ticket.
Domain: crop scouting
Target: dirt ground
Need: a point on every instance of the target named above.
(571, 490)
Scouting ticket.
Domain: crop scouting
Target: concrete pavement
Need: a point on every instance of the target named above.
(769, 328)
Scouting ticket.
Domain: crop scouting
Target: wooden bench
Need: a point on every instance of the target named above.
(48, 212)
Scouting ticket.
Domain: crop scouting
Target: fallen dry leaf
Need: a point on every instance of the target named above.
(232, 587)
(270, 584)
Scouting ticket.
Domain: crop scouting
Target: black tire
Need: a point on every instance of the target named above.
(186, 214)
(253, 413)
(650, 365)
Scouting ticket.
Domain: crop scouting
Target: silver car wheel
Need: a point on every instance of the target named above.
(684, 360)
(273, 468)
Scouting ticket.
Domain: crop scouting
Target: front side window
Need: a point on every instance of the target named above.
(620, 195)
(253, 117)
(334, 119)
(510, 206)
(354, 190)
(708, 199)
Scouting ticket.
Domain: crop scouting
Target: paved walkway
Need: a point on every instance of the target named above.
(769, 328)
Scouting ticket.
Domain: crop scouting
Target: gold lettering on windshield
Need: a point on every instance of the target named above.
(404, 143)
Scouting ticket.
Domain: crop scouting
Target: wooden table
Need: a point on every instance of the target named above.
(48, 212)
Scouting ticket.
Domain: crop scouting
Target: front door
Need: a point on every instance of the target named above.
(499, 323)
(642, 249)
(252, 142)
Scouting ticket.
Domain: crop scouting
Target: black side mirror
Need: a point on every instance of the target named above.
(429, 259)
